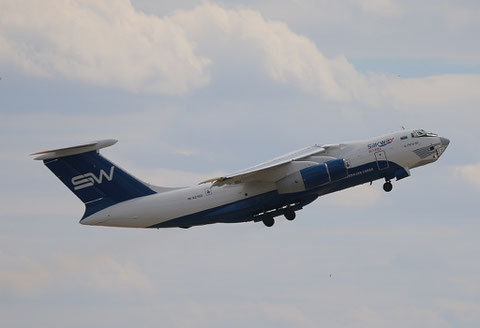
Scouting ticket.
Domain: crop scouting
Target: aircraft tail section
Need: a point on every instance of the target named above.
(91, 177)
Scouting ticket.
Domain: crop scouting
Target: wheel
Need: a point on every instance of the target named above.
(289, 214)
(387, 186)
(268, 221)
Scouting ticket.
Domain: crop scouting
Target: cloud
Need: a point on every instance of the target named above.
(109, 43)
(284, 56)
(105, 43)
(293, 59)
(469, 173)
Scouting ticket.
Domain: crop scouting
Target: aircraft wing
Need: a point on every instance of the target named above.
(262, 171)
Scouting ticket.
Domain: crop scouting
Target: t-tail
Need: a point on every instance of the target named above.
(91, 177)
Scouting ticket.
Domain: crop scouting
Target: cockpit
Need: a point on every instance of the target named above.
(422, 133)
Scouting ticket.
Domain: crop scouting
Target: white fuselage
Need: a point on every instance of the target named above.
(387, 156)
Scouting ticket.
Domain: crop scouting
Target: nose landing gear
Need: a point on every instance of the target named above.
(387, 186)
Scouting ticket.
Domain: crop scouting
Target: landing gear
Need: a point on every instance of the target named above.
(289, 214)
(268, 221)
(387, 186)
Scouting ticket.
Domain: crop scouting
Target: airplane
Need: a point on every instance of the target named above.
(260, 193)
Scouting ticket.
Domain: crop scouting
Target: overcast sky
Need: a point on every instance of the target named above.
(194, 89)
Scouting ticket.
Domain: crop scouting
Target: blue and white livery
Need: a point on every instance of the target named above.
(282, 186)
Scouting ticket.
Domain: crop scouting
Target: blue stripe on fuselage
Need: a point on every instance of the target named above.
(245, 209)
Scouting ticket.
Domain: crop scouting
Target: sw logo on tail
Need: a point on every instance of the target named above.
(88, 179)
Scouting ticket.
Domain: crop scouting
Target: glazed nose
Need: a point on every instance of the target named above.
(444, 141)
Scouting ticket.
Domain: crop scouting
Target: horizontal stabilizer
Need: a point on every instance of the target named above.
(62, 152)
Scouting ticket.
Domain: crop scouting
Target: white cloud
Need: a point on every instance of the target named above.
(110, 43)
(105, 43)
(286, 57)
(469, 173)
(294, 59)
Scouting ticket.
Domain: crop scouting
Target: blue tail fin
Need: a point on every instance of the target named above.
(91, 177)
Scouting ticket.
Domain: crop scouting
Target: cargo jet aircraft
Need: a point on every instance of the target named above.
(281, 186)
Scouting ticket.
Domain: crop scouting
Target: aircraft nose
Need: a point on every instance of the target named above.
(444, 142)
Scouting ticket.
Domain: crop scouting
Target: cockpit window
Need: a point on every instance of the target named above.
(422, 133)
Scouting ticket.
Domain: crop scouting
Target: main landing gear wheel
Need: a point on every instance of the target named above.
(289, 214)
(387, 186)
(268, 221)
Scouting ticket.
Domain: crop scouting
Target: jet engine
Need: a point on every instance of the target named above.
(313, 176)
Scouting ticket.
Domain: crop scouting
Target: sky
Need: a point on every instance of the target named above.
(196, 89)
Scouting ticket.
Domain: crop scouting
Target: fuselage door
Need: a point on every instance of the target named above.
(381, 159)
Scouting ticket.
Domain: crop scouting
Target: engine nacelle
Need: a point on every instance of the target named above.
(313, 176)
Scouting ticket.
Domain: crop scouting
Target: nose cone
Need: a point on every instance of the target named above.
(443, 145)
(444, 142)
